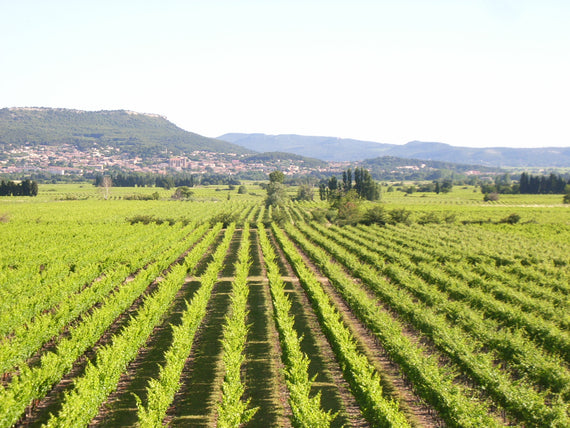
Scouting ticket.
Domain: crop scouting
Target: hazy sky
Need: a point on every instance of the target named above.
(463, 72)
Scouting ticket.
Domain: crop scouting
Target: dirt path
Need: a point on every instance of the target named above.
(39, 412)
(120, 408)
(393, 382)
(196, 401)
(421, 413)
(200, 381)
(336, 394)
(263, 368)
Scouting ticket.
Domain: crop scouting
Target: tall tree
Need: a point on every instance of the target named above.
(323, 191)
(305, 193)
(347, 180)
(276, 192)
(276, 177)
(106, 184)
(25, 188)
(524, 183)
(365, 186)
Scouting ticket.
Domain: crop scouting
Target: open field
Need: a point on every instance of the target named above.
(207, 313)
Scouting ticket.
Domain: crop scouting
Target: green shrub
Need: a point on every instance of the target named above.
(225, 218)
(511, 219)
(428, 218)
(142, 197)
(449, 217)
(375, 215)
(319, 215)
(146, 219)
(400, 215)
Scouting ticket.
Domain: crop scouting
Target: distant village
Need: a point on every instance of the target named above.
(66, 159)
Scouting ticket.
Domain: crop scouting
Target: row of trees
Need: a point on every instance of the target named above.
(438, 186)
(364, 186)
(276, 191)
(165, 181)
(345, 197)
(333, 190)
(528, 184)
(531, 184)
(24, 188)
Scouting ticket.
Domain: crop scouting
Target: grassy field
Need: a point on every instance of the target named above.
(206, 312)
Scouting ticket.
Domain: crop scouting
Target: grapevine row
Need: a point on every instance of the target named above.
(528, 296)
(60, 277)
(232, 411)
(521, 353)
(307, 411)
(520, 400)
(161, 391)
(474, 247)
(431, 382)
(100, 379)
(359, 372)
(29, 338)
(543, 332)
(33, 383)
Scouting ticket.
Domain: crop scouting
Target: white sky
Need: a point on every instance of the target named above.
(475, 73)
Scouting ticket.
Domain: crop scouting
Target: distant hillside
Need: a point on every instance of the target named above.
(286, 157)
(324, 148)
(390, 162)
(395, 168)
(133, 133)
(340, 149)
(490, 156)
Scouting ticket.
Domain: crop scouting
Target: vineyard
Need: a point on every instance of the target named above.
(213, 313)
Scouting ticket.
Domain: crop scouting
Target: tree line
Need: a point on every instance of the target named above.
(555, 184)
(528, 184)
(165, 181)
(24, 188)
(364, 186)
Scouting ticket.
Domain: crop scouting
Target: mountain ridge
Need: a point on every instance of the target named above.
(310, 146)
(149, 134)
(338, 149)
(135, 133)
